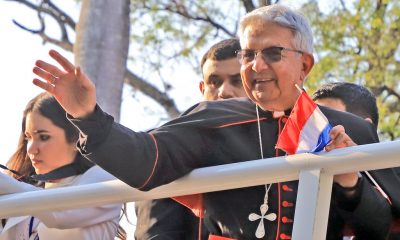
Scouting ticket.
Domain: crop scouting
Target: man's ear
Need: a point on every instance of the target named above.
(308, 63)
(201, 87)
(368, 120)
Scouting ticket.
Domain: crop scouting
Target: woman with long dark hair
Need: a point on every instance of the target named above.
(46, 157)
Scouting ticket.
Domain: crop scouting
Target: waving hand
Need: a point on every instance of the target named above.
(70, 86)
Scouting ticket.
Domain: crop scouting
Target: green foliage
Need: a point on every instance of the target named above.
(359, 43)
(355, 42)
(176, 31)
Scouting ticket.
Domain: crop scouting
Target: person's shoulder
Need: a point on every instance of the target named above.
(210, 114)
(242, 104)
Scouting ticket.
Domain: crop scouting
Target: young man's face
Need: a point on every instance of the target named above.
(221, 80)
(271, 83)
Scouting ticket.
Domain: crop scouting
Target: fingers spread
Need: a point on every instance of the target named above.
(67, 65)
(43, 85)
(45, 75)
(53, 70)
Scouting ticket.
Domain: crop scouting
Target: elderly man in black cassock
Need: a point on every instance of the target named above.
(277, 45)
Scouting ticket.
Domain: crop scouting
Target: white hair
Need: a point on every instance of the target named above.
(285, 17)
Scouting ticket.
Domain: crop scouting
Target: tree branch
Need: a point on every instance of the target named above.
(162, 98)
(181, 10)
(63, 20)
(48, 7)
(378, 90)
(62, 16)
(66, 45)
(343, 4)
(248, 5)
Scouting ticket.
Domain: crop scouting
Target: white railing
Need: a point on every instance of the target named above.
(315, 173)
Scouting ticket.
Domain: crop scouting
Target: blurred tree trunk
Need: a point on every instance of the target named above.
(101, 48)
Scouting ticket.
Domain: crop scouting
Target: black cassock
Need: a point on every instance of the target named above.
(221, 132)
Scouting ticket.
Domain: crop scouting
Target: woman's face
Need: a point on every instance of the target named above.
(47, 145)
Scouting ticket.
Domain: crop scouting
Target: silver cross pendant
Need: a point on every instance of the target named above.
(260, 232)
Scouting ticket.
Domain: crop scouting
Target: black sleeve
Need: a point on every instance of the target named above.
(140, 159)
(367, 212)
(111, 146)
(389, 181)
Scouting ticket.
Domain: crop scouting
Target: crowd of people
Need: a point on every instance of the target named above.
(249, 88)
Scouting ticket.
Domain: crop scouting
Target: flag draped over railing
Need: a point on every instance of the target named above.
(306, 130)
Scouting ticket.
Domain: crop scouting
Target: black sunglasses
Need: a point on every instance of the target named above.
(269, 55)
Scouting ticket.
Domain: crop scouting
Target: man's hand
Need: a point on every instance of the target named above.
(340, 139)
(74, 91)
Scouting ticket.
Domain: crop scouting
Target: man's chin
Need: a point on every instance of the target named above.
(268, 104)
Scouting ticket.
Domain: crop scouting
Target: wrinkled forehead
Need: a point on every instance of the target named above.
(265, 34)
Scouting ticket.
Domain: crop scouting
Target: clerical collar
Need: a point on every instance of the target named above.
(278, 114)
(274, 114)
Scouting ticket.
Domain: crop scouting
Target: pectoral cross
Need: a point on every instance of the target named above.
(260, 232)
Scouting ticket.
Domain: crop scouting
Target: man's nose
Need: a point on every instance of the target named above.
(258, 64)
(226, 90)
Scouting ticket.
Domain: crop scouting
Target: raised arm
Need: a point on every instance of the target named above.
(69, 85)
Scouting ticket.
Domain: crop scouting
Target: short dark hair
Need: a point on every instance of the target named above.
(357, 99)
(225, 49)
